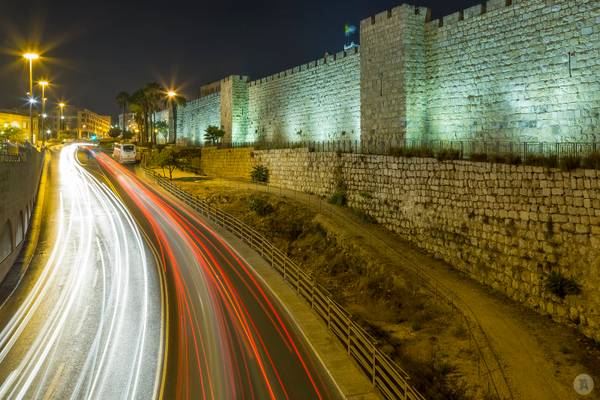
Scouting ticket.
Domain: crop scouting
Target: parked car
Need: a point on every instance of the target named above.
(124, 153)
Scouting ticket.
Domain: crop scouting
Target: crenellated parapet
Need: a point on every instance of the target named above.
(326, 60)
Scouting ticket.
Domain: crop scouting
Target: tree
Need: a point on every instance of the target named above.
(123, 102)
(167, 158)
(10, 133)
(214, 134)
(115, 132)
(162, 129)
(154, 95)
(126, 135)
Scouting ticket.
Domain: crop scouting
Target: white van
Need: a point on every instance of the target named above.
(124, 153)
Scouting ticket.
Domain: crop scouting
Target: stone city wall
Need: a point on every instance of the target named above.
(319, 100)
(518, 70)
(227, 163)
(196, 116)
(18, 184)
(505, 226)
(527, 71)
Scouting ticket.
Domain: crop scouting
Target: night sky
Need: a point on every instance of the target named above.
(95, 49)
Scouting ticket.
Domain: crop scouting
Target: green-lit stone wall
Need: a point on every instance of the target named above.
(319, 100)
(196, 116)
(505, 74)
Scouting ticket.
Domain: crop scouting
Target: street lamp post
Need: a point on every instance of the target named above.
(172, 123)
(61, 105)
(30, 57)
(43, 84)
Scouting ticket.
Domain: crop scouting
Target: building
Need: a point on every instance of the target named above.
(500, 71)
(91, 125)
(19, 120)
(79, 122)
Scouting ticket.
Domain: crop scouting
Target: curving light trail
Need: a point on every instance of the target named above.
(90, 325)
(233, 339)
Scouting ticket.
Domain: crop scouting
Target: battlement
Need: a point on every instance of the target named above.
(396, 12)
(325, 60)
(469, 13)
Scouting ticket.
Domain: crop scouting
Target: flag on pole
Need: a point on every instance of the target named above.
(349, 29)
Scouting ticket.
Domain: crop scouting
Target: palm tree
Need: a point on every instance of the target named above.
(137, 106)
(153, 94)
(123, 100)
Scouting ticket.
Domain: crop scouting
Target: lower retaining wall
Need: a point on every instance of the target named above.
(18, 184)
(228, 163)
(506, 226)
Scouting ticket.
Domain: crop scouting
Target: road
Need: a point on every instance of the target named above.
(228, 336)
(86, 319)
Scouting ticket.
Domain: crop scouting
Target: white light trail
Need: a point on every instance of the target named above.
(65, 311)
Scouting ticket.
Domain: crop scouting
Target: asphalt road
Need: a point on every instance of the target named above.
(229, 338)
(86, 319)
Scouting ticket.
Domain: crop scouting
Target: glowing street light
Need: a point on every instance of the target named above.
(43, 85)
(61, 105)
(171, 95)
(31, 57)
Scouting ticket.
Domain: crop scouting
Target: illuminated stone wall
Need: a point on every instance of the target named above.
(524, 70)
(504, 74)
(505, 226)
(196, 116)
(319, 100)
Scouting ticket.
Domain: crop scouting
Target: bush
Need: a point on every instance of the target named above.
(397, 151)
(591, 161)
(479, 157)
(260, 173)
(539, 160)
(339, 197)
(561, 286)
(260, 206)
(423, 152)
(570, 163)
(513, 159)
(448, 154)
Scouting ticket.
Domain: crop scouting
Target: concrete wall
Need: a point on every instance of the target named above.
(319, 100)
(505, 226)
(18, 185)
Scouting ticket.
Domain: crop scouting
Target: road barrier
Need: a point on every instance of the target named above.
(391, 380)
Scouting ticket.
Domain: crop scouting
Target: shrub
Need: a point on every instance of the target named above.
(570, 163)
(513, 159)
(448, 154)
(423, 152)
(397, 151)
(416, 326)
(540, 160)
(339, 197)
(479, 157)
(260, 173)
(561, 286)
(260, 206)
(591, 161)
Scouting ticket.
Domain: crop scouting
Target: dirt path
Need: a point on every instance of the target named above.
(540, 358)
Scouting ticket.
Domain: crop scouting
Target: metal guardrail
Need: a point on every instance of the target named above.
(385, 375)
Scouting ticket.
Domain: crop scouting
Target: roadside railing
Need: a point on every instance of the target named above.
(391, 380)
